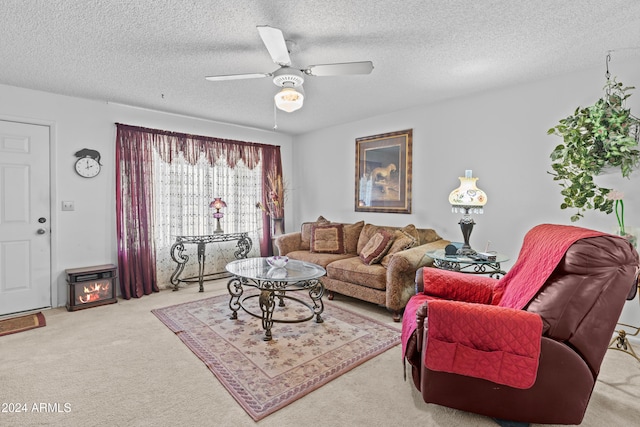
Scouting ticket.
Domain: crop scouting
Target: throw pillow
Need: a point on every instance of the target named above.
(327, 238)
(376, 247)
(401, 241)
(305, 237)
(351, 236)
(412, 231)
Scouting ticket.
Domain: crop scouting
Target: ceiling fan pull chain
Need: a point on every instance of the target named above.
(275, 117)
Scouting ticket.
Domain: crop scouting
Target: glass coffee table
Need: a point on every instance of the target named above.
(274, 283)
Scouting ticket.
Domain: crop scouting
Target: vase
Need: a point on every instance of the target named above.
(630, 233)
(277, 226)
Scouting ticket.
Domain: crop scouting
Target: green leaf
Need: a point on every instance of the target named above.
(594, 137)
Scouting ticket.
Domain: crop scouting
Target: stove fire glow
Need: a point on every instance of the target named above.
(95, 292)
(91, 286)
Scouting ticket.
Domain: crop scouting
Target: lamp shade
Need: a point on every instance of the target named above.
(218, 203)
(289, 99)
(468, 196)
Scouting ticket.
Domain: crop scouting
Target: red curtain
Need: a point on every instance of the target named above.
(134, 192)
(134, 207)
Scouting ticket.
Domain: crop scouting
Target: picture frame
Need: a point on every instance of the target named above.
(383, 172)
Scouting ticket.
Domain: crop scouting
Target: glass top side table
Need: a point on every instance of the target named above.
(465, 264)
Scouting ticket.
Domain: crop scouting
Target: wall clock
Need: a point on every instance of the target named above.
(88, 164)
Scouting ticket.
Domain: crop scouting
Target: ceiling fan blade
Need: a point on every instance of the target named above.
(343, 69)
(273, 39)
(237, 76)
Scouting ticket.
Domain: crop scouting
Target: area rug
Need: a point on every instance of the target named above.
(21, 323)
(264, 376)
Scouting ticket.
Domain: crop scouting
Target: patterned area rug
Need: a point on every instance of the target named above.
(264, 376)
(22, 323)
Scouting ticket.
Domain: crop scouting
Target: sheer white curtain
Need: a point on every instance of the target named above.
(182, 193)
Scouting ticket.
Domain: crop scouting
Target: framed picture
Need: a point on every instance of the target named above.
(383, 172)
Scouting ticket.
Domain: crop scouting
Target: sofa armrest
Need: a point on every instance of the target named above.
(498, 344)
(401, 272)
(453, 285)
(288, 242)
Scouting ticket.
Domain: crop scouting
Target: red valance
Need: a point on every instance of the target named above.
(170, 144)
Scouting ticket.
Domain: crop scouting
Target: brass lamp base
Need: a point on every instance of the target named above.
(621, 342)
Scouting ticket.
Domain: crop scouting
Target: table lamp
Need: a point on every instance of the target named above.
(467, 199)
(218, 204)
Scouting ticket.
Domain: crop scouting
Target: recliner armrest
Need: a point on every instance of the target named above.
(452, 285)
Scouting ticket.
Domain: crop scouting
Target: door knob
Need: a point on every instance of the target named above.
(41, 231)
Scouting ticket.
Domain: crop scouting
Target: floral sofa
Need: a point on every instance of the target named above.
(365, 261)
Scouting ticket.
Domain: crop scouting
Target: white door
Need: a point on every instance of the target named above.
(25, 230)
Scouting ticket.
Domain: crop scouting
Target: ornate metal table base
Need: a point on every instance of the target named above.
(465, 264)
(621, 342)
(269, 292)
(493, 269)
(275, 284)
(177, 254)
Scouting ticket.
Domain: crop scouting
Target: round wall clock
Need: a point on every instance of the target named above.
(87, 167)
(88, 163)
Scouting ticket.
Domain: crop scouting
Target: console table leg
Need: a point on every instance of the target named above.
(177, 255)
(201, 248)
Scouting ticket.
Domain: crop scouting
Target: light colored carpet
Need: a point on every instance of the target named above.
(301, 357)
(117, 365)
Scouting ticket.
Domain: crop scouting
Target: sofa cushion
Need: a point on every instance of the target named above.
(327, 238)
(352, 270)
(401, 241)
(305, 237)
(377, 247)
(321, 259)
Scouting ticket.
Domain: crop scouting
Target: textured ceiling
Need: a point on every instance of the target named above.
(155, 53)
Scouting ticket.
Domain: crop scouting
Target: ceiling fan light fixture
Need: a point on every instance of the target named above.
(289, 98)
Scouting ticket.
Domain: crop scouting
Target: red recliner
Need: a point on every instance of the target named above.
(527, 347)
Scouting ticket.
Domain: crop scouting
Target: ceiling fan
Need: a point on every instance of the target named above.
(290, 79)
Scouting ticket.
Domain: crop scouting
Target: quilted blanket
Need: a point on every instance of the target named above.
(542, 249)
(498, 344)
(437, 284)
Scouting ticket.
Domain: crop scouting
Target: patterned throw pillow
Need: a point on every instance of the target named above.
(412, 231)
(327, 238)
(401, 241)
(306, 231)
(376, 247)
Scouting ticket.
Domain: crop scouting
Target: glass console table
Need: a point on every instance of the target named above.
(177, 254)
(275, 283)
(465, 264)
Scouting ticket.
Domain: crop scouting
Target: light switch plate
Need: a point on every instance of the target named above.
(68, 206)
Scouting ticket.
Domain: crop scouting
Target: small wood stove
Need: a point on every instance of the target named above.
(91, 286)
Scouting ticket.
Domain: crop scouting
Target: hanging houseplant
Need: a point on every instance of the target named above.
(595, 138)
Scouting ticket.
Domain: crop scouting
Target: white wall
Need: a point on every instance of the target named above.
(500, 135)
(87, 236)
